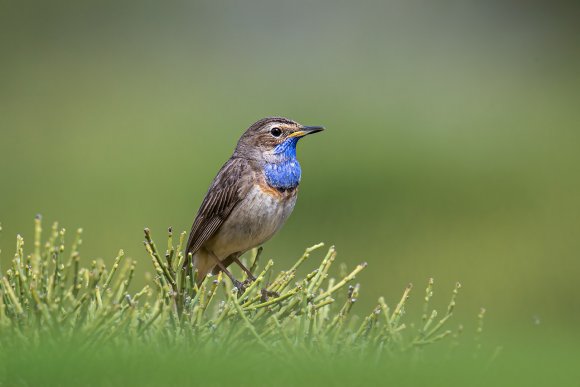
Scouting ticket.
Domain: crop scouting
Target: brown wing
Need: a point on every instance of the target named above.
(227, 189)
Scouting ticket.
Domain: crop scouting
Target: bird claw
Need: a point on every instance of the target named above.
(267, 294)
(241, 286)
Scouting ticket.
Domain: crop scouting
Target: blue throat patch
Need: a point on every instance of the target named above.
(285, 172)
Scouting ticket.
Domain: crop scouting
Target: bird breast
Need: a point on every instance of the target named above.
(254, 220)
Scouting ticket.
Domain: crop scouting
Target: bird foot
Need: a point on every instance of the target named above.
(241, 286)
(267, 294)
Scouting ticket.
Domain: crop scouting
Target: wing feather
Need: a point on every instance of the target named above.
(226, 191)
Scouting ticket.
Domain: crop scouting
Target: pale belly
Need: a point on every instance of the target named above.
(251, 223)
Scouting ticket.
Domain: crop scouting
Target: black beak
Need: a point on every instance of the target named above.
(312, 129)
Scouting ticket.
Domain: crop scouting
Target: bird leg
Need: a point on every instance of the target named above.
(245, 269)
(265, 292)
(239, 285)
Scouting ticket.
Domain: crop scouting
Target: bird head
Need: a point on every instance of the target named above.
(272, 138)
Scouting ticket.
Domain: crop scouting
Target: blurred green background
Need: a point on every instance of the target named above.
(451, 150)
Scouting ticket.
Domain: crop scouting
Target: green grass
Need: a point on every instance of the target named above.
(66, 323)
(90, 319)
(48, 295)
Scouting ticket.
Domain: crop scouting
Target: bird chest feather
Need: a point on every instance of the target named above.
(255, 220)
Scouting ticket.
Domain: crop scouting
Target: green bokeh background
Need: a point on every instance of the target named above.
(451, 150)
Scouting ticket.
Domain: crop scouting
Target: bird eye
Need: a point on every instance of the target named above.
(276, 132)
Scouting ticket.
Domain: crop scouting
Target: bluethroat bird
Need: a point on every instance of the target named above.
(250, 198)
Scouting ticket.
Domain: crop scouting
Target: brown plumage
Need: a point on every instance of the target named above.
(250, 198)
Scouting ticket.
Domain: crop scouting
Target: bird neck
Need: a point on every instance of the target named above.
(283, 171)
